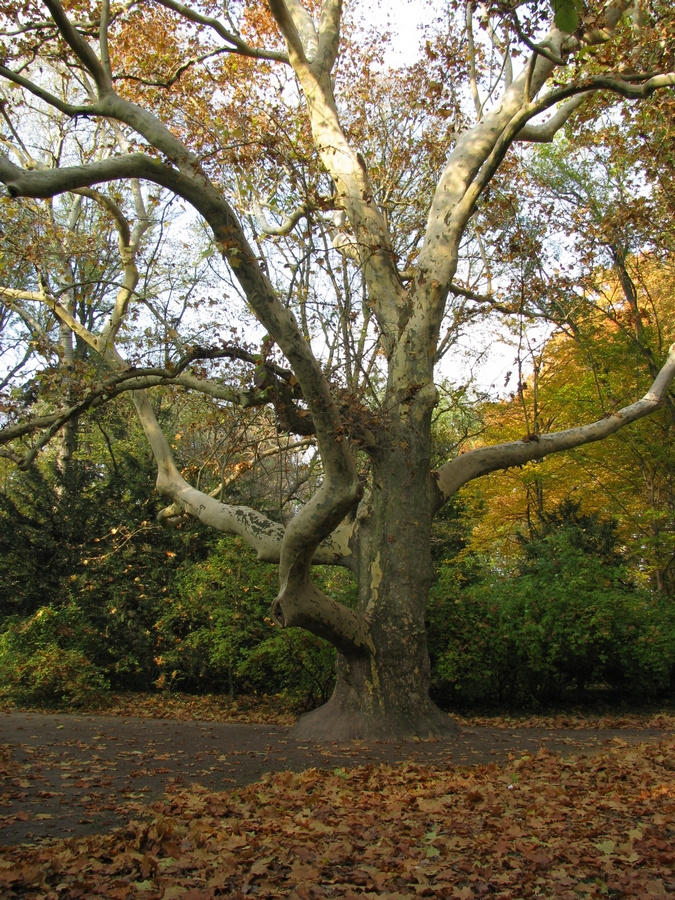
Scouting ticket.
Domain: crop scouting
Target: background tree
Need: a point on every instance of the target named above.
(561, 618)
(86, 569)
(614, 318)
(193, 114)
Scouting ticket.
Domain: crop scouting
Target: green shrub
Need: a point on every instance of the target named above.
(88, 539)
(567, 618)
(54, 677)
(216, 635)
(43, 661)
(299, 664)
(467, 661)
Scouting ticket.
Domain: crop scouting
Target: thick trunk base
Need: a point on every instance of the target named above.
(340, 721)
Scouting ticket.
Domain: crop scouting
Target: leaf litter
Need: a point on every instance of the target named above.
(600, 825)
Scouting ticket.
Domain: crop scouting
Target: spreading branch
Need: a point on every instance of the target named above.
(234, 42)
(475, 463)
(546, 131)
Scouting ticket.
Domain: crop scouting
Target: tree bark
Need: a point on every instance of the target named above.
(382, 691)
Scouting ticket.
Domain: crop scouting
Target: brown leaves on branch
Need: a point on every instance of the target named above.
(538, 827)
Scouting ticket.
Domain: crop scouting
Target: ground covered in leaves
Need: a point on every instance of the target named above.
(552, 812)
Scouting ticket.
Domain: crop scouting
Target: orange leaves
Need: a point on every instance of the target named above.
(259, 27)
(538, 827)
(207, 707)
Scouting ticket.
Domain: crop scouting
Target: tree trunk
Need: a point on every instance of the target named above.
(372, 701)
(383, 693)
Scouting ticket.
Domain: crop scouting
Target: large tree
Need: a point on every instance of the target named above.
(342, 199)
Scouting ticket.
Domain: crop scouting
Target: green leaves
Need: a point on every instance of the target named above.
(215, 633)
(50, 659)
(566, 14)
(567, 618)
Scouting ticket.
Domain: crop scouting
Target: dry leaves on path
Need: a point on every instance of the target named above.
(71, 775)
(261, 710)
(537, 827)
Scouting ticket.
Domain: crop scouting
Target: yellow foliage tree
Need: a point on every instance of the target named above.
(591, 373)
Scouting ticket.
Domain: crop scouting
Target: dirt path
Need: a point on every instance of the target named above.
(67, 775)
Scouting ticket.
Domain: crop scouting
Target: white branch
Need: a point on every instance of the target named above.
(468, 466)
(288, 222)
(546, 131)
(59, 311)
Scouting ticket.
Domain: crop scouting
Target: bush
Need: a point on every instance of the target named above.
(89, 539)
(566, 619)
(467, 660)
(301, 666)
(216, 634)
(43, 663)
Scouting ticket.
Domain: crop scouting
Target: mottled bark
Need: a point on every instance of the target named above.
(383, 691)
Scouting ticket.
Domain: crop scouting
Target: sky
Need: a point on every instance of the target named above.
(403, 19)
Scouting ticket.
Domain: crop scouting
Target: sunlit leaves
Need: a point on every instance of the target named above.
(581, 376)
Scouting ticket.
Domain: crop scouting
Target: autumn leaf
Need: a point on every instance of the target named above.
(588, 826)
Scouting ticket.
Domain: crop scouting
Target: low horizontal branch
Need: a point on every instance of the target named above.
(475, 463)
